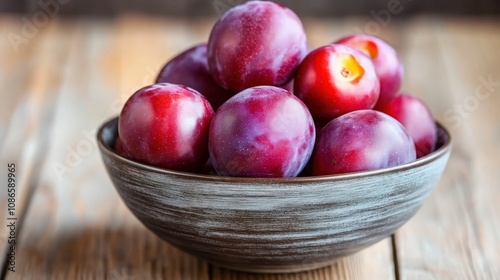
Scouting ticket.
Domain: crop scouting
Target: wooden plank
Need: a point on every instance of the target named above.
(374, 262)
(456, 235)
(76, 226)
(25, 112)
(17, 64)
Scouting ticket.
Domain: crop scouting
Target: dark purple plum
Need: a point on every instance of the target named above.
(190, 68)
(361, 141)
(257, 43)
(263, 131)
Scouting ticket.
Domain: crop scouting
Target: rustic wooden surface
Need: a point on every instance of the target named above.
(72, 75)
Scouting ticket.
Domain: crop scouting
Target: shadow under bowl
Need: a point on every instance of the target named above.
(273, 225)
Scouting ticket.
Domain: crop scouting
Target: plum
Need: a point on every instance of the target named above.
(190, 68)
(166, 125)
(387, 63)
(254, 44)
(263, 131)
(334, 80)
(414, 115)
(361, 141)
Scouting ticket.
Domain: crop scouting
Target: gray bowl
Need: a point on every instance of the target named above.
(272, 225)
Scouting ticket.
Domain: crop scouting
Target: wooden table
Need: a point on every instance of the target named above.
(63, 80)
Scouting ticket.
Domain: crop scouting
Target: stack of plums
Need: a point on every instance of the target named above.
(254, 102)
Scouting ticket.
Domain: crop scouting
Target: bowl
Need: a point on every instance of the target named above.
(272, 225)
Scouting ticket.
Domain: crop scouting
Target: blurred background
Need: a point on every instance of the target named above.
(321, 8)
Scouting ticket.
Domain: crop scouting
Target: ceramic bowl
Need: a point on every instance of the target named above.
(272, 225)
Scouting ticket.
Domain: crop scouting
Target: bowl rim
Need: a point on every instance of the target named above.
(444, 149)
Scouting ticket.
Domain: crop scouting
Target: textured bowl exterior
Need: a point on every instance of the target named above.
(273, 225)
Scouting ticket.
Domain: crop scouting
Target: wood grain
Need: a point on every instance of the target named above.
(26, 114)
(374, 262)
(457, 233)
